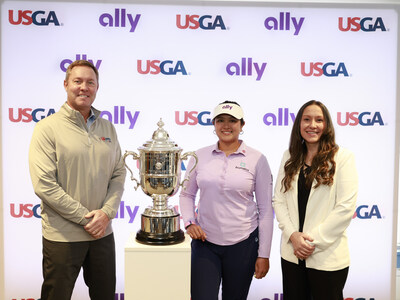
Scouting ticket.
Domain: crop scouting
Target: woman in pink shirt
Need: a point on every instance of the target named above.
(232, 230)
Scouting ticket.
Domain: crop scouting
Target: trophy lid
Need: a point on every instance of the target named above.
(160, 141)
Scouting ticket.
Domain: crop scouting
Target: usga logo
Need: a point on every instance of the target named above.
(206, 22)
(28, 17)
(329, 69)
(364, 118)
(24, 210)
(167, 67)
(193, 118)
(28, 115)
(367, 212)
(367, 24)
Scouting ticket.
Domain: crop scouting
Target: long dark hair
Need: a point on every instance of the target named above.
(323, 165)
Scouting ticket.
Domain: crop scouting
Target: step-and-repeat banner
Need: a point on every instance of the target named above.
(177, 62)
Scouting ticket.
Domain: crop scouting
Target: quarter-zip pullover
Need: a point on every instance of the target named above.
(74, 170)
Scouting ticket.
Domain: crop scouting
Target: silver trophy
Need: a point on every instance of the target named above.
(160, 172)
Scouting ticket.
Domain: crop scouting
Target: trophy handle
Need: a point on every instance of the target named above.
(135, 156)
(184, 157)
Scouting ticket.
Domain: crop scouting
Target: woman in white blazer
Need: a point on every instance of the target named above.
(314, 201)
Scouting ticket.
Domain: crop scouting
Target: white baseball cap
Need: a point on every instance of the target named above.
(230, 109)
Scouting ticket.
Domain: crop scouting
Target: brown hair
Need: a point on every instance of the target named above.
(323, 165)
(81, 62)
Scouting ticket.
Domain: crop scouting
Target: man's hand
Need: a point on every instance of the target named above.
(98, 223)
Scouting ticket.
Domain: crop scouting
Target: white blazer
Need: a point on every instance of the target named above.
(328, 214)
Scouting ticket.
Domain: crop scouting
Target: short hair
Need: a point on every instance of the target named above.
(81, 62)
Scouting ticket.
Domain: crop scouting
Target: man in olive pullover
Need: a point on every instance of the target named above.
(77, 171)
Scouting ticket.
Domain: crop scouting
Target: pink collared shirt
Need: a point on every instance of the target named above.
(227, 210)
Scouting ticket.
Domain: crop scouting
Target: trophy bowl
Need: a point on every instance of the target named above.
(160, 172)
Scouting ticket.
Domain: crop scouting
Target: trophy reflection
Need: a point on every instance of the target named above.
(160, 171)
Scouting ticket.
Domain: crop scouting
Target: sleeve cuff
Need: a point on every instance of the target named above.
(187, 224)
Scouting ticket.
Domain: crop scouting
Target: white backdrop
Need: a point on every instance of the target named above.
(270, 59)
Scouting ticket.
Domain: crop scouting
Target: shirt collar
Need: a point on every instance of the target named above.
(241, 150)
(91, 117)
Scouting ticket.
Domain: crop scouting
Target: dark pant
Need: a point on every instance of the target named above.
(62, 262)
(301, 283)
(234, 265)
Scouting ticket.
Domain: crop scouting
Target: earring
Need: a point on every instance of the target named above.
(214, 132)
(241, 132)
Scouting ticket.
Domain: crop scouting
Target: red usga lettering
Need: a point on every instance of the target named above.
(25, 210)
(351, 118)
(152, 67)
(27, 115)
(22, 112)
(193, 19)
(187, 115)
(21, 15)
(26, 15)
(355, 22)
(318, 67)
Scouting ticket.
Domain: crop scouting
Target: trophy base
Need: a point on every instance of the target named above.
(160, 239)
(160, 230)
